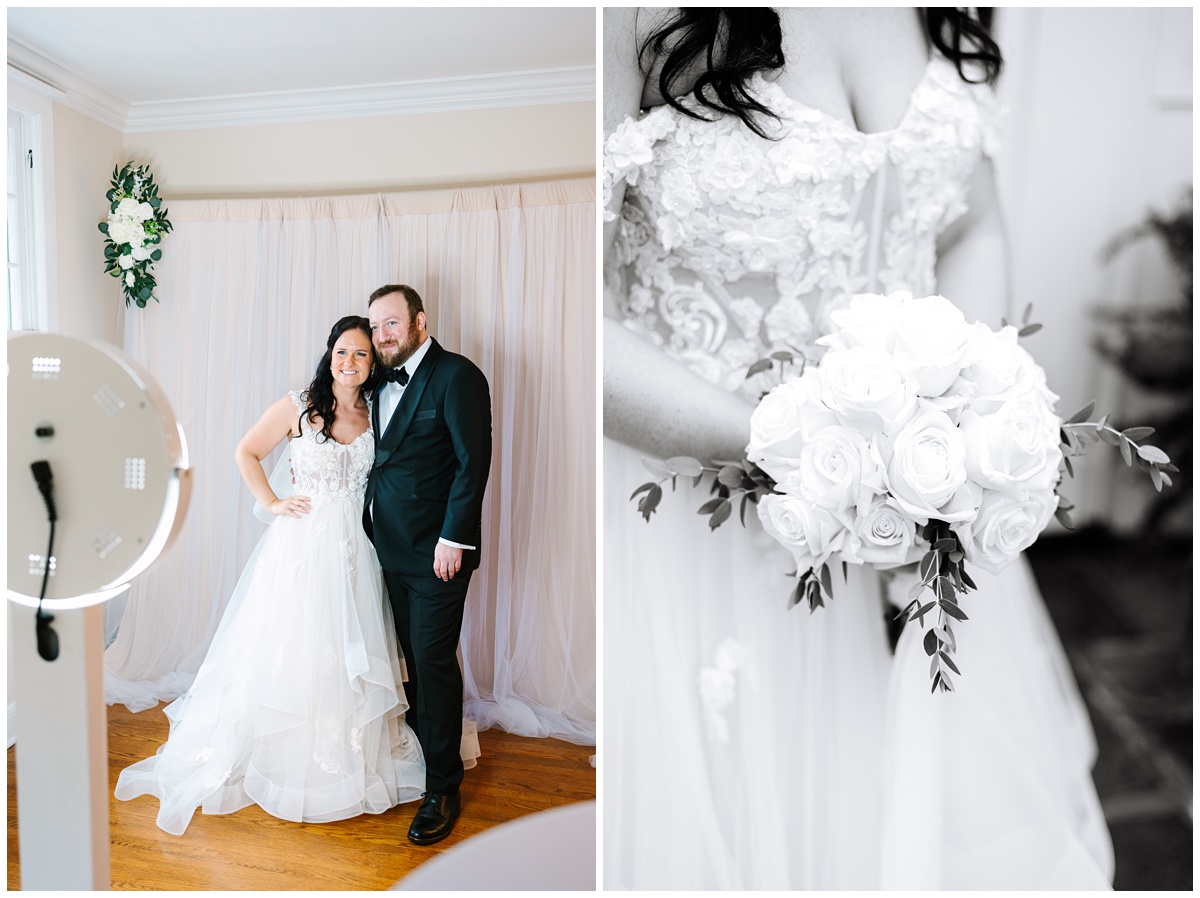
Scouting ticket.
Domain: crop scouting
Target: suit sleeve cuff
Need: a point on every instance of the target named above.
(456, 545)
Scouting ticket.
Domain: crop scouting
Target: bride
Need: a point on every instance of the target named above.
(298, 706)
(759, 169)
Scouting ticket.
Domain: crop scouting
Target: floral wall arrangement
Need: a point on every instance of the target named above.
(136, 224)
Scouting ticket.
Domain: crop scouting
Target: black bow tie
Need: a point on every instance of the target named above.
(395, 375)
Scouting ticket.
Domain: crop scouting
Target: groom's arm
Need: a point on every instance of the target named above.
(468, 415)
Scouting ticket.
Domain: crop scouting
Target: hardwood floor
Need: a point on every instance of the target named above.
(253, 850)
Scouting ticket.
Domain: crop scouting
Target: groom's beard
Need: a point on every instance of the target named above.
(394, 357)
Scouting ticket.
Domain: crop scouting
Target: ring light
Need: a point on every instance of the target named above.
(119, 464)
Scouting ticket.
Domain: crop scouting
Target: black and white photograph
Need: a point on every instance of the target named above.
(897, 516)
(302, 430)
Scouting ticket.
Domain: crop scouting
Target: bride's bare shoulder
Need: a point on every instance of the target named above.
(631, 75)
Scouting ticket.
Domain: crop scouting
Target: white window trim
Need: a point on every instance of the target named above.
(33, 101)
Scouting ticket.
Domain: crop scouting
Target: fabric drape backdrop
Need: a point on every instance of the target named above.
(249, 291)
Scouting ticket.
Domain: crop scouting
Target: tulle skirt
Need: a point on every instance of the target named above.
(298, 706)
(751, 746)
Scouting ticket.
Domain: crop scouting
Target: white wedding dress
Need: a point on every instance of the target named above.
(751, 746)
(298, 706)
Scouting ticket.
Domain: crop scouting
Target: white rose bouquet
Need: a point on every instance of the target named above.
(135, 227)
(918, 438)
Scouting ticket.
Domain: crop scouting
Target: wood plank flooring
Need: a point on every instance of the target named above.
(253, 850)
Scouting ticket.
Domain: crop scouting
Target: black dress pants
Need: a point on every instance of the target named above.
(428, 614)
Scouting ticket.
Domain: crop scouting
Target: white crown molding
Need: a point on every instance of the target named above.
(563, 85)
(66, 85)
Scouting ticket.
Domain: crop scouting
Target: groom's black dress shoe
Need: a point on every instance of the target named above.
(435, 818)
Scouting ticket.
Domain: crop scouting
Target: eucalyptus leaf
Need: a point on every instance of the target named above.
(1137, 433)
(826, 580)
(1029, 330)
(1165, 477)
(641, 489)
(655, 467)
(758, 368)
(1109, 437)
(930, 642)
(1067, 464)
(1126, 453)
(650, 501)
(711, 505)
(685, 466)
(937, 681)
(1153, 454)
(720, 515)
(782, 356)
(967, 578)
(953, 610)
(949, 662)
(731, 476)
(1156, 478)
(1083, 414)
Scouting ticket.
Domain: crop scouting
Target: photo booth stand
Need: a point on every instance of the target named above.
(98, 486)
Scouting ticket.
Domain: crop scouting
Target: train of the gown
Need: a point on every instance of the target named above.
(296, 707)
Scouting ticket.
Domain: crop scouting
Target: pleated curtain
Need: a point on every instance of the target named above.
(249, 291)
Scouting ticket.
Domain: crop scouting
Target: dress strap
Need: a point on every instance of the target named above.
(301, 406)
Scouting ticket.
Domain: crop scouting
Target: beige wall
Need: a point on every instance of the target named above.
(482, 146)
(90, 303)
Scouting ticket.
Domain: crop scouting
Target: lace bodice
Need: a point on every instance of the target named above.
(326, 469)
(730, 247)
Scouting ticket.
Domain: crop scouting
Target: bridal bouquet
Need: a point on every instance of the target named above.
(136, 223)
(919, 438)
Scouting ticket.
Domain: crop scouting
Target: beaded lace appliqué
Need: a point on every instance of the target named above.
(325, 469)
(730, 247)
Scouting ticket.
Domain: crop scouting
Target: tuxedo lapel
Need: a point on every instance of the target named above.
(403, 414)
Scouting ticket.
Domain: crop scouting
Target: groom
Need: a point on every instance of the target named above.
(433, 447)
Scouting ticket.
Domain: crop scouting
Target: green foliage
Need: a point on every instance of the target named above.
(136, 183)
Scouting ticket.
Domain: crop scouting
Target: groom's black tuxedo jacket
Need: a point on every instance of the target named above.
(431, 466)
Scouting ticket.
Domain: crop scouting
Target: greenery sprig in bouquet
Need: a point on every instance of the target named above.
(136, 224)
(920, 440)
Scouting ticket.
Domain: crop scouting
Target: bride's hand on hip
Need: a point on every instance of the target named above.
(292, 505)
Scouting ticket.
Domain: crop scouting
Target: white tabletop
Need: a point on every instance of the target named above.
(548, 850)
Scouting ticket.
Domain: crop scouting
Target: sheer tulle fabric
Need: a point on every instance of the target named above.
(507, 275)
(296, 707)
(794, 752)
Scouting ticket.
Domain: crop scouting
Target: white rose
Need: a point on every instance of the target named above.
(931, 342)
(127, 208)
(140, 253)
(125, 261)
(1000, 368)
(784, 421)
(866, 389)
(869, 320)
(1005, 527)
(925, 464)
(882, 535)
(1016, 448)
(810, 533)
(834, 468)
(129, 278)
(145, 212)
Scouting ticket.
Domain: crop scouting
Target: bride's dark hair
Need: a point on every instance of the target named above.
(319, 395)
(733, 43)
